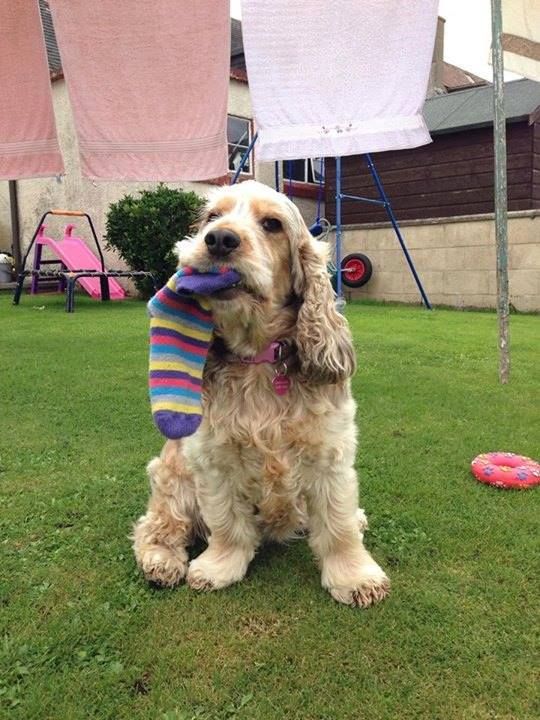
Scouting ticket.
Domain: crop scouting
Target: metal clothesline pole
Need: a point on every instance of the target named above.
(244, 159)
(390, 212)
(501, 193)
(382, 201)
(339, 198)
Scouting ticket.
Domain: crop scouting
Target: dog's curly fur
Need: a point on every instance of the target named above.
(263, 465)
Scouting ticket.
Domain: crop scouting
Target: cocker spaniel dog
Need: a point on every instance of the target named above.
(274, 454)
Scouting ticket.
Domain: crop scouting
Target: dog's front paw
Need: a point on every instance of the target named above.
(360, 586)
(162, 565)
(369, 592)
(212, 571)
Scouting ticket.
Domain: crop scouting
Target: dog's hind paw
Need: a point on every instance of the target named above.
(163, 566)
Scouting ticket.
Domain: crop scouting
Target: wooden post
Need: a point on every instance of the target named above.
(501, 195)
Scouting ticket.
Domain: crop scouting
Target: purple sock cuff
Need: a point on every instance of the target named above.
(206, 283)
(175, 425)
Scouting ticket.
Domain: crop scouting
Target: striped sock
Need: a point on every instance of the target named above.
(180, 334)
(181, 330)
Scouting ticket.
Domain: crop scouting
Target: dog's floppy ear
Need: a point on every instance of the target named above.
(323, 338)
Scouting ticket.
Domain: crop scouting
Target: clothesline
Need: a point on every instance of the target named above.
(148, 82)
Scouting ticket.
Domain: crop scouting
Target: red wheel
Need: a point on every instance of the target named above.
(356, 270)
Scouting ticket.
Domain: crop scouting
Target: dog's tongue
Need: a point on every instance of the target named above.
(208, 283)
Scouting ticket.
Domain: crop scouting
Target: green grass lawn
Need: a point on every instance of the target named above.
(83, 636)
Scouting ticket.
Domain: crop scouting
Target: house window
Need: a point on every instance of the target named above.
(239, 138)
(310, 170)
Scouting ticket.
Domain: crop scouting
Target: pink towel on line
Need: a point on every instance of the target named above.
(148, 85)
(338, 78)
(28, 142)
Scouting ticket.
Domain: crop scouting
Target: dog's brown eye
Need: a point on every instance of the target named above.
(272, 225)
(212, 216)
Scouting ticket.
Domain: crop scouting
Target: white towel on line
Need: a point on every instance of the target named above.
(338, 78)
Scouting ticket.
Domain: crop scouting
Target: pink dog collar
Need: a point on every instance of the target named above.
(273, 353)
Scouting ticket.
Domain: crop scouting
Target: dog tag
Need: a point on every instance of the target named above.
(281, 384)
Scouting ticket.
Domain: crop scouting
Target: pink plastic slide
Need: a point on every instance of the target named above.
(76, 255)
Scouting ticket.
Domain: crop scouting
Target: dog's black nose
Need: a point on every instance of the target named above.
(221, 242)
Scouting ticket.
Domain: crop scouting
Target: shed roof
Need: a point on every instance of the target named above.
(53, 55)
(238, 59)
(473, 107)
(455, 78)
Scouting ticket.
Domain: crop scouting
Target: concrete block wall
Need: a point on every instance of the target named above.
(455, 258)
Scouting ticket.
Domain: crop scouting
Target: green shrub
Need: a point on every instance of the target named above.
(144, 230)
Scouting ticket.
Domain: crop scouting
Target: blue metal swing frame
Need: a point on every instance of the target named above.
(383, 201)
